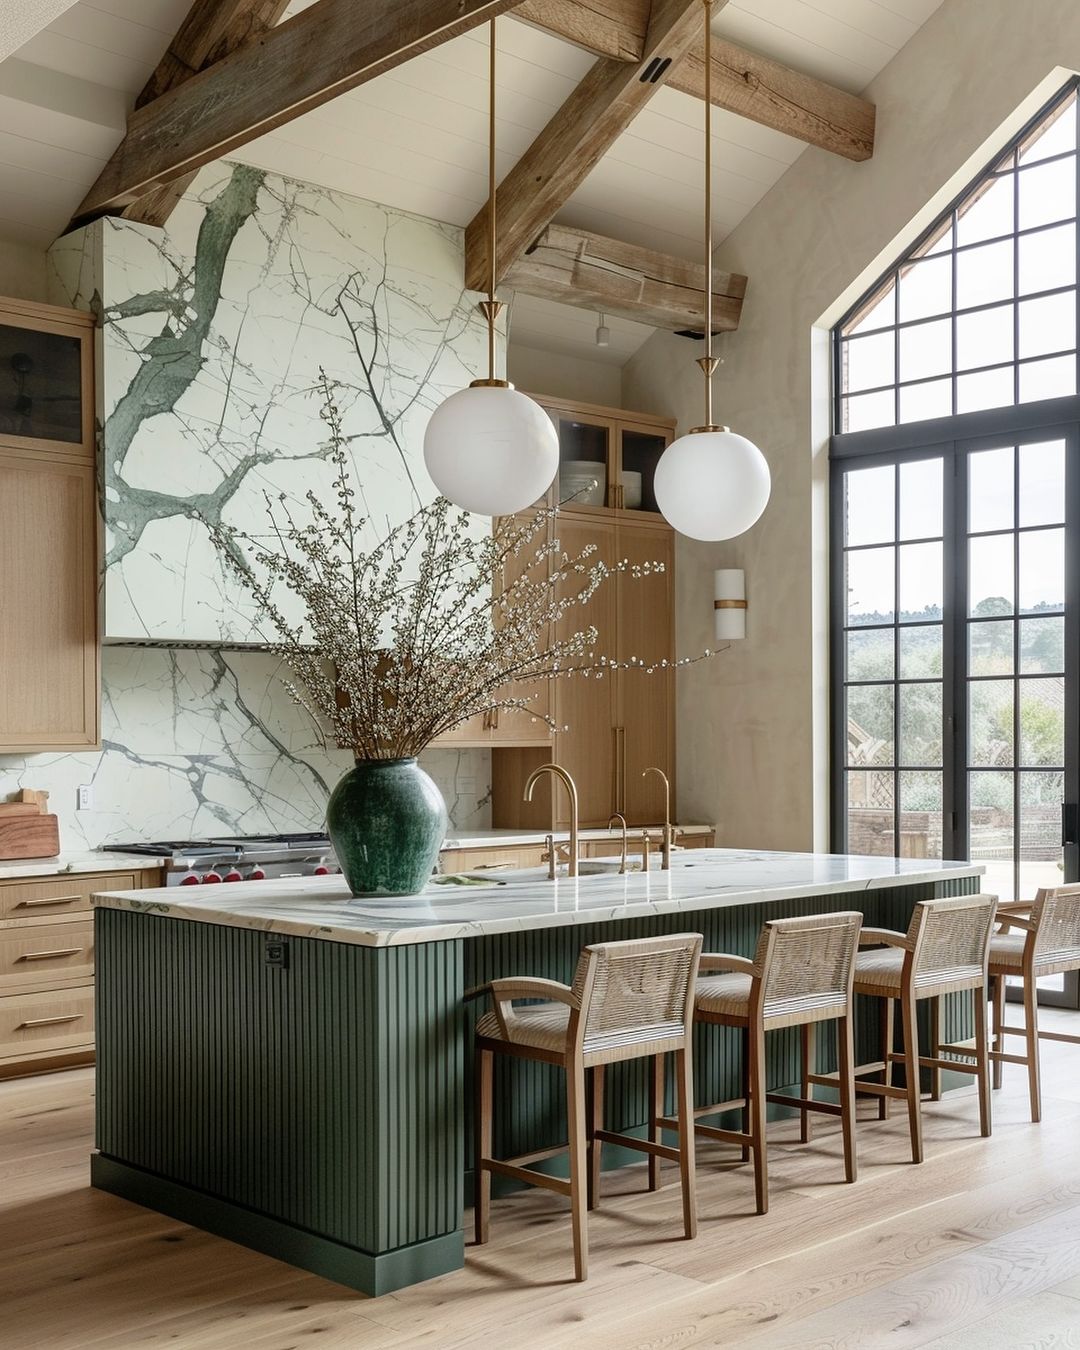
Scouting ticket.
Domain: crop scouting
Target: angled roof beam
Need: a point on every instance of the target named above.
(211, 30)
(332, 47)
(752, 86)
(583, 130)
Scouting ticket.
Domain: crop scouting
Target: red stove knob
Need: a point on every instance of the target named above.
(232, 875)
(256, 874)
(321, 871)
(211, 878)
(190, 880)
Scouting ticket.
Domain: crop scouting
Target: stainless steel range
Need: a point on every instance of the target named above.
(259, 857)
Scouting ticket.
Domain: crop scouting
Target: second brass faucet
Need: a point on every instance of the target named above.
(557, 771)
(666, 838)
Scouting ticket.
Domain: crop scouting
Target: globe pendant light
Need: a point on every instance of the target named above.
(711, 484)
(490, 449)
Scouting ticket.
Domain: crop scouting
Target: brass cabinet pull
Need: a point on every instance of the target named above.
(48, 956)
(55, 900)
(50, 1021)
(620, 769)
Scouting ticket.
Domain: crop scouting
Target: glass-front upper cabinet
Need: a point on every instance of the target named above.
(607, 456)
(46, 389)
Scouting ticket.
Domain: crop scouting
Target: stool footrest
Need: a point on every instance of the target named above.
(724, 1136)
(1000, 1057)
(804, 1103)
(932, 1062)
(643, 1145)
(1058, 1036)
(527, 1175)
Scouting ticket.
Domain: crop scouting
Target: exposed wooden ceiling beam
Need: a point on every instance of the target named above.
(778, 97)
(611, 28)
(332, 47)
(743, 82)
(583, 130)
(211, 30)
(577, 267)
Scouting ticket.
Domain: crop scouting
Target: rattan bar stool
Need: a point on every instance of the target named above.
(801, 974)
(943, 951)
(1047, 941)
(629, 1000)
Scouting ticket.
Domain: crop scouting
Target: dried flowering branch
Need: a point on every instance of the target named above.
(409, 638)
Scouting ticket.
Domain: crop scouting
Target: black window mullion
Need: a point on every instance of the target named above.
(1015, 681)
(950, 626)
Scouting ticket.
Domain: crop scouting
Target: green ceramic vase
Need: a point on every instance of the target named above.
(387, 821)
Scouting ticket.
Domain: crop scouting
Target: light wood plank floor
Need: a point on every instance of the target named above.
(977, 1249)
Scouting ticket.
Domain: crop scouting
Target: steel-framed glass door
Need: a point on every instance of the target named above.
(1016, 775)
(956, 655)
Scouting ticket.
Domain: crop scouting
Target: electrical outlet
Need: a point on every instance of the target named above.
(86, 797)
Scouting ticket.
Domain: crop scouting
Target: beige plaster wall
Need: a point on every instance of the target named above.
(542, 372)
(752, 723)
(22, 271)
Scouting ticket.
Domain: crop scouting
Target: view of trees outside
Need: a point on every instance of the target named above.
(1014, 659)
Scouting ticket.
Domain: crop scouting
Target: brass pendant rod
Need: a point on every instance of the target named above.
(709, 365)
(492, 235)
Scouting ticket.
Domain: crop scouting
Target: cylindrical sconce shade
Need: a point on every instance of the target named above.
(729, 591)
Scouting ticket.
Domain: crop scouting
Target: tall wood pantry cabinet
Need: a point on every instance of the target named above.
(609, 730)
(49, 648)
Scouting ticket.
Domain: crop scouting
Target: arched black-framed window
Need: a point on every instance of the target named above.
(955, 529)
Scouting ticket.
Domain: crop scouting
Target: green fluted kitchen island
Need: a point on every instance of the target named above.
(291, 1069)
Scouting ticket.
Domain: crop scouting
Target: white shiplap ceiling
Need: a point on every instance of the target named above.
(416, 138)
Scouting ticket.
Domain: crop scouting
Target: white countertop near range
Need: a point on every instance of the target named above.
(91, 861)
(321, 907)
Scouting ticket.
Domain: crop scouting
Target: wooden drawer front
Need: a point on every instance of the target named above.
(54, 897)
(33, 1023)
(37, 955)
(472, 859)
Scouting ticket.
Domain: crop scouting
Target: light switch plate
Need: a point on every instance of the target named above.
(86, 797)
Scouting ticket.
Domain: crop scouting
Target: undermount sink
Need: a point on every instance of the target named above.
(587, 868)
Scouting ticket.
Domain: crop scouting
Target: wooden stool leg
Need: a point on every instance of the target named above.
(1031, 1043)
(575, 1112)
(482, 1210)
(911, 1071)
(656, 1097)
(935, 1048)
(684, 1078)
(888, 1041)
(809, 1066)
(999, 1022)
(982, 1061)
(596, 1122)
(845, 1047)
(758, 1088)
(744, 1037)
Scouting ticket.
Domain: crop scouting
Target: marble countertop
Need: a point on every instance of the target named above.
(64, 863)
(320, 907)
(497, 838)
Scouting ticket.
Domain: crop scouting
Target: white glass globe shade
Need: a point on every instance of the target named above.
(491, 450)
(712, 484)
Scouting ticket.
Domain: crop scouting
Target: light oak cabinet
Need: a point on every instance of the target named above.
(49, 647)
(608, 729)
(47, 968)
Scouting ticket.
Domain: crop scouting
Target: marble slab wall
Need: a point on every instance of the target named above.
(213, 334)
(202, 743)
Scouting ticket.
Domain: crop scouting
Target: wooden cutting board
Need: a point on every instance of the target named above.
(28, 836)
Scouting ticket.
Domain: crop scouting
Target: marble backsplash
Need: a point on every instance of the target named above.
(204, 743)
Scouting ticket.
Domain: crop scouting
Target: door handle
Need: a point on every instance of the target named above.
(1070, 821)
(49, 1021)
(52, 900)
(49, 956)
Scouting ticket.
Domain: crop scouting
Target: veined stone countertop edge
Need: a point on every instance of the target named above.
(87, 863)
(321, 908)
